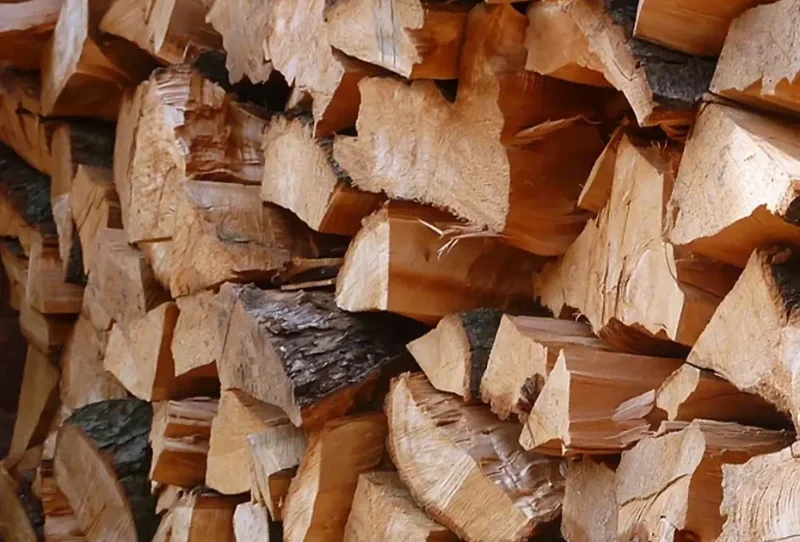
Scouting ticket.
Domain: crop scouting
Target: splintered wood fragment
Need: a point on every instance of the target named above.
(321, 495)
(84, 380)
(101, 464)
(590, 506)
(251, 523)
(454, 355)
(695, 28)
(708, 212)
(557, 47)
(302, 176)
(238, 415)
(15, 526)
(691, 393)
(25, 28)
(46, 290)
(384, 510)
(447, 465)
(524, 352)
(416, 39)
(225, 233)
(595, 402)
(597, 189)
(275, 454)
(45, 333)
(629, 283)
(461, 270)
(681, 499)
(197, 517)
(179, 438)
(661, 85)
(38, 403)
(95, 206)
(300, 352)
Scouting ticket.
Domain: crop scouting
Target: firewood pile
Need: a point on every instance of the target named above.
(401, 270)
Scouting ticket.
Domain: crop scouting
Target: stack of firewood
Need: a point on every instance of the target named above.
(402, 270)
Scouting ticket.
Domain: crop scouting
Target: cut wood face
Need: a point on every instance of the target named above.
(590, 503)
(201, 330)
(45, 333)
(94, 205)
(45, 289)
(445, 465)
(197, 517)
(251, 523)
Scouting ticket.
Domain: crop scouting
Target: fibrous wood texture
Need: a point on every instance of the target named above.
(251, 523)
(95, 206)
(25, 28)
(46, 291)
(46, 333)
(15, 526)
(23, 129)
(590, 505)
(198, 516)
(447, 465)
(200, 332)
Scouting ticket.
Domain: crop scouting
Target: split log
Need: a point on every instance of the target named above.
(46, 333)
(446, 465)
(22, 127)
(455, 354)
(15, 526)
(158, 254)
(251, 523)
(524, 352)
(536, 148)
(95, 206)
(597, 189)
(38, 403)
(179, 438)
(681, 499)
(238, 415)
(101, 464)
(275, 454)
(321, 495)
(417, 39)
(595, 402)
(298, 351)
(60, 523)
(638, 292)
(383, 269)
(46, 291)
(203, 516)
(384, 511)
(303, 176)
(590, 505)
(708, 212)
(26, 26)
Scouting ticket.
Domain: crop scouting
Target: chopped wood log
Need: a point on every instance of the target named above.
(595, 402)
(694, 28)
(25, 28)
(45, 333)
(275, 454)
(46, 290)
(384, 510)
(173, 32)
(139, 355)
(179, 438)
(298, 351)
(630, 284)
(417, 39)
(101, 464)
(525, 351)
(95, 206)
(691, 394)
(557, 47)
(302, 176)
(15, 526)
(157, 254)
(321, 495)
(447, 465)
(16, 269)
(22, 128)
(383, 269)
(198, 516)
(713, 165)
(597, 189)
(534, 156)
(38, 403)
(238, 415)
(60, 522)
(590, 508)
(455, 354)
(84, 380)
(251, 523)
(681, 499)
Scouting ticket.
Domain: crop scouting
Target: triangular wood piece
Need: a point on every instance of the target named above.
(95, 206)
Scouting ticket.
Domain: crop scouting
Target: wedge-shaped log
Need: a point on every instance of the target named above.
(536, 149)
(298, 351)
(383, 270)
(417, 39)
(595, 402)
(251, 522)
(524, 352)
(26, 26)
(590, 505)
(95, 206)
(199, 516)
(636, 290)
(15, 525)
(45, 333)
(467, 473)
(682, 499)
(597, 189)
(384, 510)
(101, 464)
(46, 291)
(713, 169)
(454, 354)
(321, 495)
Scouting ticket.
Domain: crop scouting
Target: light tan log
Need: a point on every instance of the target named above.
(45, 289)
(321, 495)
(60, 523)
(597, 189)
(595, 402)
(590, 505)
(275, 454)
(199, 516)
(383, 269)
(384, 510)
(95, 206)
(524, 352)
(466, 474)
(682, 497)
(45, 333)
(25, 28)
(15, 526)
(454, 354)
(238, 415)
(158, 254)
(531, 158)
(709, 213)
(200, 332)
(417, 39)
(251, 523)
